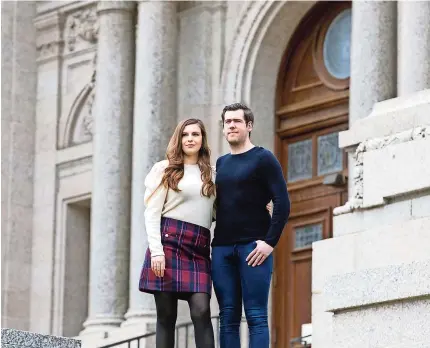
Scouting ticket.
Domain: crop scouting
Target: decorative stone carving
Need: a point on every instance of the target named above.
(81, 29)
(79, 128)
(87, 121)
(49, 50)
(356, 202)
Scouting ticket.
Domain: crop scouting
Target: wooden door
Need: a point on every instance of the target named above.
(311, 109)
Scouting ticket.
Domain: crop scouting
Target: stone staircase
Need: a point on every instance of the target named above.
(137, 336)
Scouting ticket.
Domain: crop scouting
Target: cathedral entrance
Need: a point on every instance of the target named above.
(311, 109)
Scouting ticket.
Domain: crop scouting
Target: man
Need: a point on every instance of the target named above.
(247, 179)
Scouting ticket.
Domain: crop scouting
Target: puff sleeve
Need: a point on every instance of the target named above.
(215, 202)
(155, 196)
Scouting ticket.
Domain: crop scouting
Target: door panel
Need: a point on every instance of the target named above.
(311, 109)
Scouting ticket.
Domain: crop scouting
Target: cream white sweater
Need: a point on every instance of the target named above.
(187, 205)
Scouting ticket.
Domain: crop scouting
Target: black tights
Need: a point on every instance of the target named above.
(167, 311)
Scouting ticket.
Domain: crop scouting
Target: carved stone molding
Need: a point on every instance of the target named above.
(79, 128)
(49, 50)
(87, 120)
(356, 202)
(81, 30)
(49, 43)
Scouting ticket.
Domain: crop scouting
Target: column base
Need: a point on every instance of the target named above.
(100, 325)
(139, 317)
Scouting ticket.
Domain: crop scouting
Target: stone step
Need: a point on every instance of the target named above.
(11, 338)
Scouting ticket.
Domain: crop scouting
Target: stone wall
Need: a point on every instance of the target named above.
(371, 282)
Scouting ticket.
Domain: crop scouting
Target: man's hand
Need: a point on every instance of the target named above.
(259, 254)
(158, 264)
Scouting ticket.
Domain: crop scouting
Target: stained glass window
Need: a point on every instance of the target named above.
(300, 160)
(329, 154)
(306, 235)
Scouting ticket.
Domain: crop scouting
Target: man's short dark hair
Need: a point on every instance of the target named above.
(248, 115)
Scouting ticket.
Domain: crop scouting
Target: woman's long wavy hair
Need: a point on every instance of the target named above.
(175, 155)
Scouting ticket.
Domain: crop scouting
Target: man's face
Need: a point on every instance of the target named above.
(235, 130)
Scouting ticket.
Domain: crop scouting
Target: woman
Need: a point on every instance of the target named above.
(179, 197)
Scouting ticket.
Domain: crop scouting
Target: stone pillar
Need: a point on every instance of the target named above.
(18, 127)
(413, 46)
(373, 61)
(373, 56)
(154, 122)
(110, 213)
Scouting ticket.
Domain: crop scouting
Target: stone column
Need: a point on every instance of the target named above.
(373, 61)
(18, 143)
(154, 122)
(413, 46)
(373, 56)
(110, 212)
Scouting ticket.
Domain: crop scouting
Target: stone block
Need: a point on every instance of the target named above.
(421, 207)
(377, 285)
(322, 323)
(395, 244)
(399, 324)
(330, 257)
(358, 221)
(387, 172)
(11, 338)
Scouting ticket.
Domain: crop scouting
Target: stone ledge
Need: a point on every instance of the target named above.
(398, 324)
(12, 338)
(377, 286)
(389, 117)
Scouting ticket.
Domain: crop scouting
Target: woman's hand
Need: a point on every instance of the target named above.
(158, 264)
(269, 207)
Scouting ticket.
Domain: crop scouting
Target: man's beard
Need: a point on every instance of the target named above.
(235, 141)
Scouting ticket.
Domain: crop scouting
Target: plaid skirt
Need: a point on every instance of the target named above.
(187, 254)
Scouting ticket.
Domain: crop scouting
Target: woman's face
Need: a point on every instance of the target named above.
(192, 140)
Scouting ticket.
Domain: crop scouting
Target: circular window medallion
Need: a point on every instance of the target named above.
(337, 46)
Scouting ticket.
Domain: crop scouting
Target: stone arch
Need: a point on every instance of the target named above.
(79, 126)
(252, 63)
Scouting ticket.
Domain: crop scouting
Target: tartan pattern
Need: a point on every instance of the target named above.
(187, 253)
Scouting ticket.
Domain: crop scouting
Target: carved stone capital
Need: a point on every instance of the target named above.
(81, 29)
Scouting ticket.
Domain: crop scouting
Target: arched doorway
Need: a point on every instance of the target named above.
(311, 108)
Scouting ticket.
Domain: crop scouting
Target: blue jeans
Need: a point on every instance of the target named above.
(233, 281)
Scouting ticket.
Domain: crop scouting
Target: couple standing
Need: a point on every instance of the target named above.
(184, 195)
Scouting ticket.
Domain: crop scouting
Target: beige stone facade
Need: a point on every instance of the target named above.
(91, 92)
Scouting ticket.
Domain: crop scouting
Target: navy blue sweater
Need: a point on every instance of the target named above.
(245, 183)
